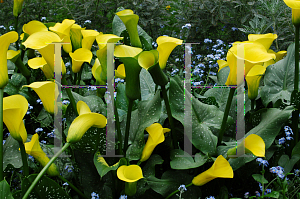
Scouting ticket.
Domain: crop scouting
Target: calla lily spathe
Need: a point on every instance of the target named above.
(14, 109)
(295, 5)
(165, 46)
(253, 79)
(265, 39)
(45, 90)
(34, 149)
(103, 40)
(76, 36)
(17, 7)
(41, 41)
(120, 72)
(156, 136)
(63, 31)
(89, 37)
(80, 56)
(220, 169)
(34, 26)
(253, 144)
(14, 56)
(149, 61)
(83, 122)
(128, 56)
(131, 20)
(5, 41)
(40, 63)
(254, 54)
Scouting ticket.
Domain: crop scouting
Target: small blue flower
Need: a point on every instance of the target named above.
(43, 18)
(154, 44)
(38, 130)
(234, 29)
(188, 26)
(207, 40)
(198, 56)
(289, 138)
(28, 112)
(177, 60)
(268, 191)
(65, 184)
(246, 195)
(281, 140)
(87, 21)
(30, 158)
(211, 197)
(257, 193)
(94, 195)
(123, 197)
(43, 141)
(67, 64)
(68, 73)
(296, 171)
(69, 168)
(39, 101)
(162, 26)
(2, 27)
(11, 28)
(66, 102)
(182, 188)
(4, 142)
(93, 88)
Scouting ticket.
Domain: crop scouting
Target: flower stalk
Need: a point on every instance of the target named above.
(70, 95)
(42, 172)
(72, 186)
(231, 93)
(171, 122)
(128, 124)
(295, 114)
(24, 159)
(1, 133)
(118, 129)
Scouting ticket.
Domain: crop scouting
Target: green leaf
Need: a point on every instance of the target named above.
(223, 75)
(44, 189)
(273, 194)
(11, 153)
(296, 149)
(147, 85)
(283, 160)
(279, 79)
(170, 181)
(148, 112)
(205, 117)
(290, 164)
(102, 166)
(5, 190)
(118, 27)
(15, 83)
(186, 162)
(149, 168)
(45, 118)
(260, 178)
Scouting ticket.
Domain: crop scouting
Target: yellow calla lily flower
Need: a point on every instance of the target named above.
(17, 7)
(128, 56)
(45, 90)
(5, 41)
(254, 54)
(149, 61)
(34, 149)
(295, 5)
(220, 169)
(76, 36)
(120, 72)
(83, 122)
(96, 69)
(34, 26)
(131, 173)
(156, 136)
(131, 20)
(253, 144)
(40, 62)
(14, 109)
(253, 79)
(80, 56)
(222, 64)
(41, 41)
(279, 55)
(63, 31)
(265, 39)
(89, 37)
(102, 40)
(165, 46)
(13, 55)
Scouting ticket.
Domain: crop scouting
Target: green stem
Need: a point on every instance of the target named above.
(72, 186)
(174, 139)
(16, 29)
(128, 124)
(252, 104)
(44, 170)
(231, 93)
(72, 101)
(118, 129)
(295, 114)
(24, 159)
(178, 191)
(1, 134)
